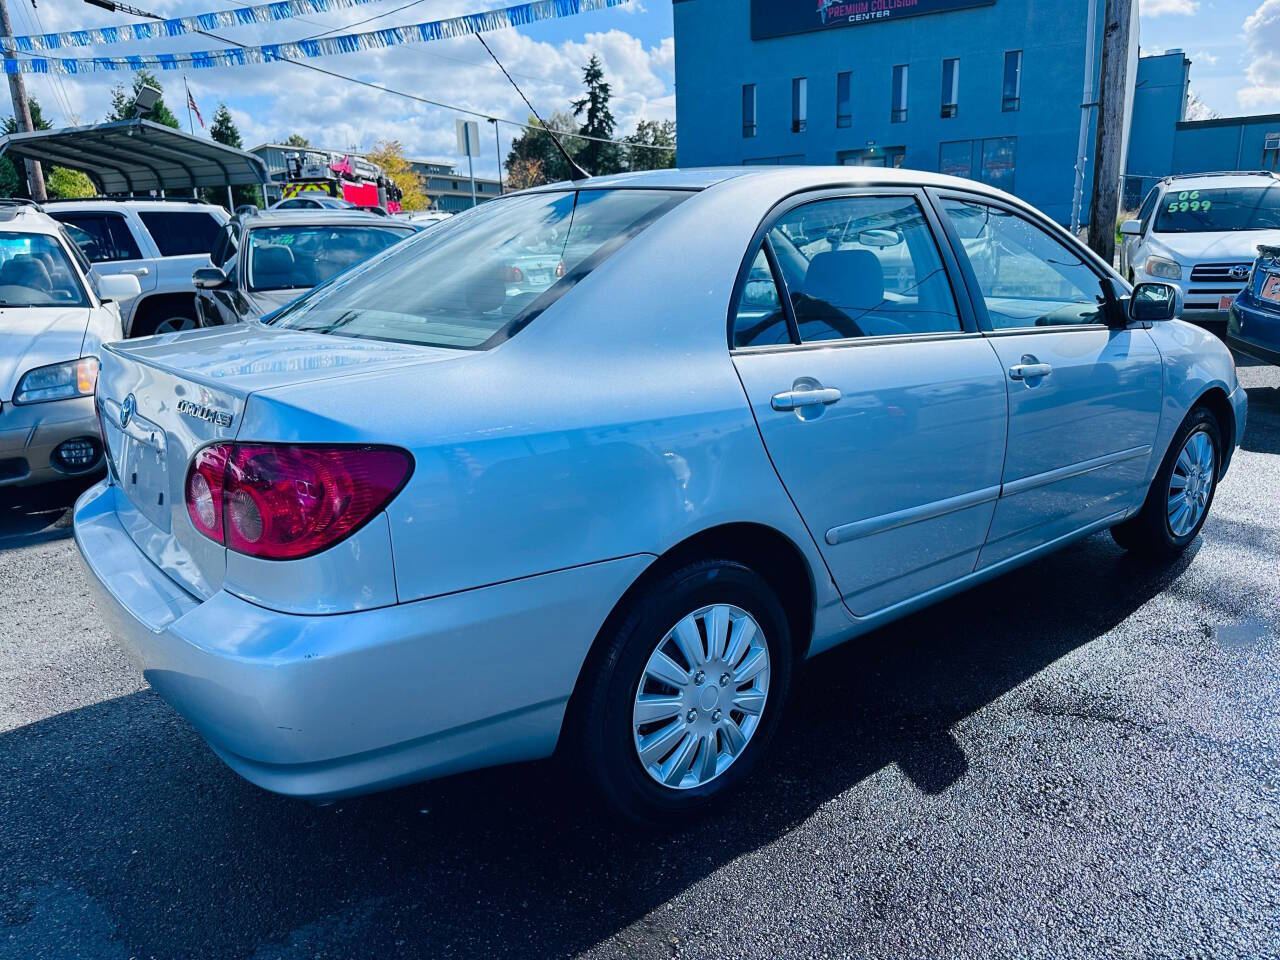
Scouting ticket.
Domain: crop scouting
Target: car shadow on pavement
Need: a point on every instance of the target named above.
(123, 835)
(1262, 427)
(31, 515)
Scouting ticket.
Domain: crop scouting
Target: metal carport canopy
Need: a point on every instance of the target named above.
(137, 156)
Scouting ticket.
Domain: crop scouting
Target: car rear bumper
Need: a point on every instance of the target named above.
(31, 433)
(326, 706)
(1255, 332)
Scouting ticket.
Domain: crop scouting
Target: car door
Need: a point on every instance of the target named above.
(881, 405)
(1084, 397)
(114, 248)
(184, 239)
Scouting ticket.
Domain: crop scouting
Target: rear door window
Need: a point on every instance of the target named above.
(180, 233)
(864, 266)
(102, 237)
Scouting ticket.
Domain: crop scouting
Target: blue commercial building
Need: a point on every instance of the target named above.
(1162, 141)
(987, 89)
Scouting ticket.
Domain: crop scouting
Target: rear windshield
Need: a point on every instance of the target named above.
(1213, 211)
(479, 277)
(300, 257)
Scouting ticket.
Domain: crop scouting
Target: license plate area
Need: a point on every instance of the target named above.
(1225, 301)
(1271, 288)
(139, 462)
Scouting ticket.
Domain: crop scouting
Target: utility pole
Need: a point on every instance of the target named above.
(497, 149)
(1109, 141)
(22, 110)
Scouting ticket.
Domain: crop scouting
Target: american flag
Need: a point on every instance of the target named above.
(191, 102)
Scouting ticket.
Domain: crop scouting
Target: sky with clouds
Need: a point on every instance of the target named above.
(1234, 46)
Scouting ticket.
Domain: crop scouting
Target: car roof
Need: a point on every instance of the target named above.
(20, 216)
(107, 203)
(316, 217)
(802, 177)
(1222, 181)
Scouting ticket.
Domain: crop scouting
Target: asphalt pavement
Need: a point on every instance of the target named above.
(1081, 758)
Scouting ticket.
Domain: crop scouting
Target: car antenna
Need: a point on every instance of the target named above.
(576, 171)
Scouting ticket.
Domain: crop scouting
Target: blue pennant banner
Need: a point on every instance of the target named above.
(514, 16)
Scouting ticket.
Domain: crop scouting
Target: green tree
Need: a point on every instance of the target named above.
(654, 133)
(596, 157)
(296, 140)
(534, 160)
(13, 173)
(122, 98)
(223, 130)
(68, 184)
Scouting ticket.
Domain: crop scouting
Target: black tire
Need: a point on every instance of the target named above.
(161, 310)
(1148, 533)
(607, 749)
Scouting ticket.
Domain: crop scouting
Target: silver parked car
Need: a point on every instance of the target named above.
(434, 516)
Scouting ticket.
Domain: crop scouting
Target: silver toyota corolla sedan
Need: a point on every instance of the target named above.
(594, 466)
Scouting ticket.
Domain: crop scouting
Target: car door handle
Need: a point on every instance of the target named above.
(1029, 371)
(139, 271)
(794, 399)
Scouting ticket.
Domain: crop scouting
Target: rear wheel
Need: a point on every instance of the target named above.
(687, 693)
(1178, 501)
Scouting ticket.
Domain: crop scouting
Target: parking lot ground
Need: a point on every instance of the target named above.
(1081, 758)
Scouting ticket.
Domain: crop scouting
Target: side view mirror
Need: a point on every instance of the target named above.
(1131, 228)
(209, 278)
(118, 287)
(1155, 301)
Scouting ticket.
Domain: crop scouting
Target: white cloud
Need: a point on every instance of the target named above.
(1205, 57)
(1159, 8)
(270, 101)
(1262, 52)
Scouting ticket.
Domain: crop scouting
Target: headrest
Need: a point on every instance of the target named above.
(846, 279)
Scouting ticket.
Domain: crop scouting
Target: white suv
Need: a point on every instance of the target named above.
(161, 242)
(1201, 232)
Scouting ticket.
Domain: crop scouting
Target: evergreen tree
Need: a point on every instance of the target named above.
(596, 157)
(223, 130)
(653, 133)
(296, 140)
(534, 159)
(13, 173)
(122, 101)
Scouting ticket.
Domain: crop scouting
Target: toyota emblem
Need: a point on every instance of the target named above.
(1239, 271)
(127, 410)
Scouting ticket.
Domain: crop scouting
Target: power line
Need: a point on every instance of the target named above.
(115, 7)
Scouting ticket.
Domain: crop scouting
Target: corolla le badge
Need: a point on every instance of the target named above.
(127, 410)
(1239, 271)
(198, 411)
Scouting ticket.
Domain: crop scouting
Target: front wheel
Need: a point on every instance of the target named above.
(687, 693)
(1178, 501)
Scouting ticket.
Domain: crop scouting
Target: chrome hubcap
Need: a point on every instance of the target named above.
(1191, 484)
(701, 697)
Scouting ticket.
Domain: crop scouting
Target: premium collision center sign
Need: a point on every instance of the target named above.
(778, 18)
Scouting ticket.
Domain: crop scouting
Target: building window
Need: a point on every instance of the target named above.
(799, 104)
(955, 158)
(950, 87)
(898, 113)
(844, 108)
(1271, 152)
(998, 157)
(748, 109)
(1011, 100)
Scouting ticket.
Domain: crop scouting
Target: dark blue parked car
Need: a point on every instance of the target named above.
(1253, 326)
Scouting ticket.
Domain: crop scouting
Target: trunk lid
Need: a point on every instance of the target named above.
(163, 398)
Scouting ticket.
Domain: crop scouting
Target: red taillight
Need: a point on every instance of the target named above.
(283, 502)
(514, 275)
